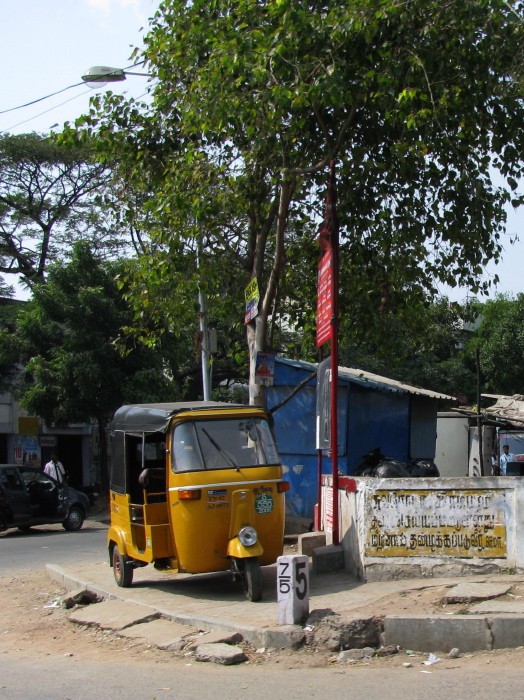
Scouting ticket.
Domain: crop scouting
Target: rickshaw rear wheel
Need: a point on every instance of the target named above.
(122, 568)
(251, 578)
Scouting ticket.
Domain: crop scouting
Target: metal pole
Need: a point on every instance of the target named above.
(204, 344)
(479, 415)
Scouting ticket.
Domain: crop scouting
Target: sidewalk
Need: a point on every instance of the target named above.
(408, 613)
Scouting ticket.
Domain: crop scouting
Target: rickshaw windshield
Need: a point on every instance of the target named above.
(222, 444)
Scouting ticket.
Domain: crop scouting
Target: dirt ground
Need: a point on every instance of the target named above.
(34, 625)
(430, 600)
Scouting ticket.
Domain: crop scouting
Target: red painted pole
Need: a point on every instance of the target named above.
(317, 519)
(334, 354)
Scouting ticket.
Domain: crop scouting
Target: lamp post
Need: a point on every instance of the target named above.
(100, 76)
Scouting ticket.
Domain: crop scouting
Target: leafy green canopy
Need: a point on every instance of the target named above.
(77, 365)
(501, 344)
(427, 348)
(416, 99)
(50, 196)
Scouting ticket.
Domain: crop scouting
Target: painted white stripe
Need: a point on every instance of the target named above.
(224, 483)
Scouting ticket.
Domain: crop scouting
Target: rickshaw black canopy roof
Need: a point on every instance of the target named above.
(155, 417)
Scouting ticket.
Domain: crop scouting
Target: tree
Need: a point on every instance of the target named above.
(50, 196)
(251, 101)
(500, 340)
(78, 364)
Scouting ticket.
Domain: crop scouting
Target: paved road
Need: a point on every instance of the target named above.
(73, 678)
(51, 543)
(70, 679)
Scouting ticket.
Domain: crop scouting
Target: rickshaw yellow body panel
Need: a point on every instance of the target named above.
(196, 526)
(229, 500)
(236, 549)
(140, 531)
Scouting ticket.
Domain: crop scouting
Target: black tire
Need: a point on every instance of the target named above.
(122, 568)
(251, 578)
(3, 523)
(75, 519)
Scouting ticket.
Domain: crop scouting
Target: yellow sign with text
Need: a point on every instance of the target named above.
(452, 523)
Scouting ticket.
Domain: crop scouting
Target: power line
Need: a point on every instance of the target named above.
(3, 131)
(45, 111)
(40, 99)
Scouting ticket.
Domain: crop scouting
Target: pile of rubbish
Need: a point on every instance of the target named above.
(375, 464)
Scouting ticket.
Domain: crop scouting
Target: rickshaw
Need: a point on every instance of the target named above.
(195, 487)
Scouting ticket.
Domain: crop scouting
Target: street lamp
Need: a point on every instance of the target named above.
(99, 76)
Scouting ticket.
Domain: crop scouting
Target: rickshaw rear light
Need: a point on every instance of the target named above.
(283, 486)
(192, 495)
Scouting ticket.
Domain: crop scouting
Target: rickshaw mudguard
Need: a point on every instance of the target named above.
(236, 549)
(118, 536)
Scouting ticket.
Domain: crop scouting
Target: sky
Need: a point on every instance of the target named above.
(46, 45)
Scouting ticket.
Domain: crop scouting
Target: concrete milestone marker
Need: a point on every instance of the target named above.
(293, 589)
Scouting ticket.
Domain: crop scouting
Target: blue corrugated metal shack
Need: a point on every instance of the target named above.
(373, 411)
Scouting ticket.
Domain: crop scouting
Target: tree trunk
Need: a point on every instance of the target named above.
(256, 330)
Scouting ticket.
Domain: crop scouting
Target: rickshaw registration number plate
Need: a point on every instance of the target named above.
(217, 498)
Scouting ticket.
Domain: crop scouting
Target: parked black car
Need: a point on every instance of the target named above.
(30, 497)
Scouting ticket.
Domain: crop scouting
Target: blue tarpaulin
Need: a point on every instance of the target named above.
(372, 412)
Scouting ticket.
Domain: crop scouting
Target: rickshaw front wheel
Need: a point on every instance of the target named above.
(122, 568)
(251, 578)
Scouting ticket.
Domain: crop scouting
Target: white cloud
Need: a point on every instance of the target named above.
(107, 5)
(114, 11)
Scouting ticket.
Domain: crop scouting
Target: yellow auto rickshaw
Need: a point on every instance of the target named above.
(195, 487)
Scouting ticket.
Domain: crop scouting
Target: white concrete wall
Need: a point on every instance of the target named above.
(416, 528)
(452, 446)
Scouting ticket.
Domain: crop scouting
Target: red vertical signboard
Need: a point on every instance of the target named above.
(324, 298)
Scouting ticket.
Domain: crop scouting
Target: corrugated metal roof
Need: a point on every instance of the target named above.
(359, 376)
(508, 408)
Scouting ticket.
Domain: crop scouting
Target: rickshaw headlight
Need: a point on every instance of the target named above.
(248, 536)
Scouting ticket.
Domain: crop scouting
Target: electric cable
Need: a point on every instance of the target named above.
(40, 99)
(45, 111)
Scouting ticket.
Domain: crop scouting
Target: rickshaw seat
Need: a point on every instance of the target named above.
(156, 497)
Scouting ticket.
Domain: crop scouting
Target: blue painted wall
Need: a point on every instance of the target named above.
(377, 419)
(367, 418)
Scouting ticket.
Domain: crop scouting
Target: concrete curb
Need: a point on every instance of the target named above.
(425, 633)
(432, 633)
(290, 636)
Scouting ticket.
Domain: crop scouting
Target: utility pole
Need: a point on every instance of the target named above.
(204, 343)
